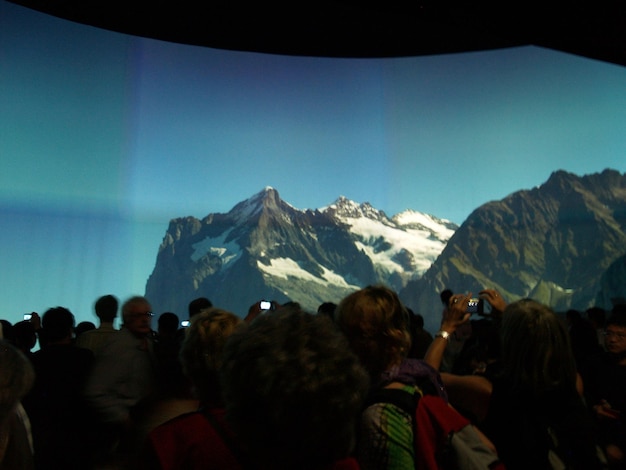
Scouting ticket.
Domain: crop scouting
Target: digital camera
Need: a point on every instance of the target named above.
(266, 305)
(475, 306)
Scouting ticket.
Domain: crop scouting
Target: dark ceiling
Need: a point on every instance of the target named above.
(361, 29)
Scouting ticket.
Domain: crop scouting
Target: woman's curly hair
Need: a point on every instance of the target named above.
(376, 324)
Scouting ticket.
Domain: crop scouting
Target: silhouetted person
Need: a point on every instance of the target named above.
(328, 309)
(597, 317)
(197, 305)
(106, 311)
(420, 338)
(83, 327)
(604, 376)
(55, 404)
(25, 337)
(582, 336)
(16, 379)
(123, 378)
(172, 382)
(168, 323)
(7, 330)
(445, 295)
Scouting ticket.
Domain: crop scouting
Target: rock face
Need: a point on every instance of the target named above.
(264, 248)
(553, 243)
(613, 284)
(562, 243)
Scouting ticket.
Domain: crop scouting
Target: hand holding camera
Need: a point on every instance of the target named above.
(494, 299)
(34, 318)
(456, 314)
(260, 307)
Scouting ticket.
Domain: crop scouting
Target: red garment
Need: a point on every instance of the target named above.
(346, 464)
(188, 442)
(435, 424)
(436, 421)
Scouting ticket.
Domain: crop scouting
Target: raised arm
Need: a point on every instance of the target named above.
(498, 304)
(454, 315)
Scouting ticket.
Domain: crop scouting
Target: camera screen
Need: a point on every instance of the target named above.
(474, 306)
(265, 305)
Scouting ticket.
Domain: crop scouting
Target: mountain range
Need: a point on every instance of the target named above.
(264, 248)
(554, 243)
(562, 243)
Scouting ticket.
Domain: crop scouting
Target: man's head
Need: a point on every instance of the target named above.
(168, 324)
(137, 315)
(293, 389)
(615, 332)
(57, 325)
(106, 308)
(445, 295)
(198, 305)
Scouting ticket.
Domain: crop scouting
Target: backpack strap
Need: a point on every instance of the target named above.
(395, 396)
(402, 398)
(435, 424)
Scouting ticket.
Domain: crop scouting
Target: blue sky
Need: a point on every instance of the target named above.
(105, 137)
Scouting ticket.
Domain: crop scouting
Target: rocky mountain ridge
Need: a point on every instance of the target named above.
(266, 248)
(562, 243)
(552, 243)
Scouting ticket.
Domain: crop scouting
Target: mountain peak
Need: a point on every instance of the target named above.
(266, 192)
(344, 207)
(560, 177)
(274, 250)
(609, 180)
(268, 197)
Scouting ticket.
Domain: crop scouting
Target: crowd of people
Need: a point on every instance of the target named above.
(344, 387)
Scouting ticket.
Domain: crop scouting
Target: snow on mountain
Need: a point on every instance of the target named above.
(444, 228)
(268, 198)
(217, 246)
(285, 268)
(389, 242)
(346, 208)
(409, 241)
(266, 248)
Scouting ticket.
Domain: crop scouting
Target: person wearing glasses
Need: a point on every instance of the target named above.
(122, 380)
(604, 377)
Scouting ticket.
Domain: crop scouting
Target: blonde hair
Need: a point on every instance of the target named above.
(376, 324)
(201, 351)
